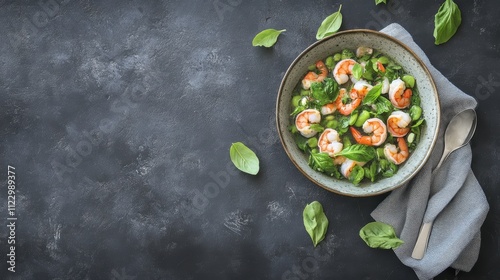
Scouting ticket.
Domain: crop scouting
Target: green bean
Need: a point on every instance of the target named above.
(296, 100)
(362, 118)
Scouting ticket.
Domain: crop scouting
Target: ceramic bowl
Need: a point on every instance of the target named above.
(402, 55)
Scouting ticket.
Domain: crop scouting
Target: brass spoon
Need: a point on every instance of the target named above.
(458, 133)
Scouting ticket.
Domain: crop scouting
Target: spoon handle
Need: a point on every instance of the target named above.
(445, 155)
(422, 240)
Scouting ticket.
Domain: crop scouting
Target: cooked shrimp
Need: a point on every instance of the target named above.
(398, 123)
(399, 95)
(375, 128)
(385, 85)
(342, 70)
(329, 108)
(358, 92)
(362, 87)
(397, 155)
(329, 142)
(312, 77)
(305, 119)
(347, 167)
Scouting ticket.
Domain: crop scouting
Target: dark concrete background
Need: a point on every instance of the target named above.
(118, 117)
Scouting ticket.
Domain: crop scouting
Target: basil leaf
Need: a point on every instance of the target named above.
(380, 1)
(297, 110)
(371, 172)
(380, 235)
(446, 22)
(372, 95)
(243, 158)
(358, 152)
(383, 105)
(315, 222)
(357, 71)
(266, 38)
(418, 123)
(322, 162)
(330, 25)
(331, 88)
(324, 93)
(317, 127)
(357, 174)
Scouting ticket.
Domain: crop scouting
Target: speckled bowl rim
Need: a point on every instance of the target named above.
(420, 62)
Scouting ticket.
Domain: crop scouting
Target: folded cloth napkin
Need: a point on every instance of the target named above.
(451, 196)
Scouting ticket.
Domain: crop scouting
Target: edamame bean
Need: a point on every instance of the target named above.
(415, 112)
(296, 100)
(312, 142)
(383, 59)
(329, 118)
(354, 117)
(337, 57)
(329, 62)
(332, 124)
(409, 81)
(311, 67)
(362, 118)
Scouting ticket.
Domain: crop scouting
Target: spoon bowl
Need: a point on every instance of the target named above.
(458, 132)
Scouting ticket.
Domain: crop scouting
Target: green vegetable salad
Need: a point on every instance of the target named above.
(357, 115)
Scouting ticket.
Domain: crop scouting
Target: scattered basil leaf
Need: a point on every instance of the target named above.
(380, 1)
(330, 25)
(357, 174)
(358, 152)
(380, 235)
(357, 71)
(315, 222)
(243, 158)
(266, 38)
(372, 95)
(446, 22)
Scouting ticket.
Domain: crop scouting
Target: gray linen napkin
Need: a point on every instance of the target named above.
(457, 203)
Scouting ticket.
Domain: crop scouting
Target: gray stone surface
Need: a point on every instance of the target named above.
(118, 117)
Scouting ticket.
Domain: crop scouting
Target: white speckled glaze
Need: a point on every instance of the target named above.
(402, 55)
